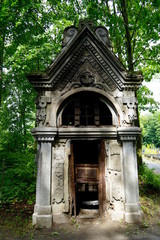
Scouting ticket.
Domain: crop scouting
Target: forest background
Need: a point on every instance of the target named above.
(31, 33)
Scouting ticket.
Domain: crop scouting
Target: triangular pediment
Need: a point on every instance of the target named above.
(84, 54)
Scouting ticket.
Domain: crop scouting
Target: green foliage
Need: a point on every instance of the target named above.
(146, 100)
(148, 178)
(18, 172)
(150, 125)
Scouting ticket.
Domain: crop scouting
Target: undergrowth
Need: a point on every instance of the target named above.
(148, 179)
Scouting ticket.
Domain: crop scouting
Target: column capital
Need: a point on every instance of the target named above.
(44, 134)
(128, 133)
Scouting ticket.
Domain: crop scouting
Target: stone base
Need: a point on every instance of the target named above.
(133, 212)
(116, 215)
(40, 221)
(133, 217)
(60, 218)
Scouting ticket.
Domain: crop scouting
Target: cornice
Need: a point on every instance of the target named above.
(128, 133)
(44, 134)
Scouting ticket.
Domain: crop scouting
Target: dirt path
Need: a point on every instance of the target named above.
(98, 229)
(153, 164)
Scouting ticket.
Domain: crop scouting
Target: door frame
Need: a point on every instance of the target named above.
(101, 181)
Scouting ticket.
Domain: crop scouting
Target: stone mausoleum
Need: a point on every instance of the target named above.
(85, 132)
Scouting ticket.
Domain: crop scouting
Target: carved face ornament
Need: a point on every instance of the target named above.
(87, 78)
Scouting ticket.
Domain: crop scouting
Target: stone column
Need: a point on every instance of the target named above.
(42, 216)
(128, 136)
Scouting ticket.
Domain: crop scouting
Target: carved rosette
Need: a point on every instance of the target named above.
(41, 110)
(131, 107)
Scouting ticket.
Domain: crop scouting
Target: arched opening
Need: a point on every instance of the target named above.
(86, 109)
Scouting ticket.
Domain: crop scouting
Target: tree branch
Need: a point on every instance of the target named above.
(138, 15)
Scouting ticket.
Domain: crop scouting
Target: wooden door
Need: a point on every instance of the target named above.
(72, 184)
(88, 173)
(102, 182)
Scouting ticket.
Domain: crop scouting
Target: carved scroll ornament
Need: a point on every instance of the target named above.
(102, 34)
(69, 34)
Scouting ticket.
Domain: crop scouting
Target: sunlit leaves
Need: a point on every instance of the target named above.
(150, 125)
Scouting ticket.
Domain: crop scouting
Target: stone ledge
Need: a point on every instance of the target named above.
(85, 132)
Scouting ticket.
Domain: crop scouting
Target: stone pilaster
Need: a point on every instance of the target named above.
(128, 137)
(42, 216)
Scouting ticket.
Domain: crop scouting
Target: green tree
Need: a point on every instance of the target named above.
(151, 129)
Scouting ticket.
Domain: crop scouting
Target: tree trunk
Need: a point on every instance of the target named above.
(127, 35)
(1, 65)
(131, 69)
(118, 46)
(24, 127)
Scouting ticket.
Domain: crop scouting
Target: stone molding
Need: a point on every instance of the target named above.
(128, 133)
(87, 132)
(44, 134)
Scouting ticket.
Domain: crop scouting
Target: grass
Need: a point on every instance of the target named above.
(16, 218)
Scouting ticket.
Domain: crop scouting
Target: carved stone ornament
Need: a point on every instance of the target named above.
(131, 103)
(59, 173)
(87, 78)
(41, 110)
(69, 33)
(102, 34)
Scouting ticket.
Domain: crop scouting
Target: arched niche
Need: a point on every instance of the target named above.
(85, 109)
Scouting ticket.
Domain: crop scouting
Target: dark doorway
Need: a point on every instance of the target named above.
(86, 180)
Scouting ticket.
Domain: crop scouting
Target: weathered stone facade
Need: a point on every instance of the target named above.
(86, 102)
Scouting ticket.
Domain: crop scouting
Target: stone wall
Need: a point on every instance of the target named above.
(114, 180)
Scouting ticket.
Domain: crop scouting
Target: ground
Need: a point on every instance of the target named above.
(15, 224)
